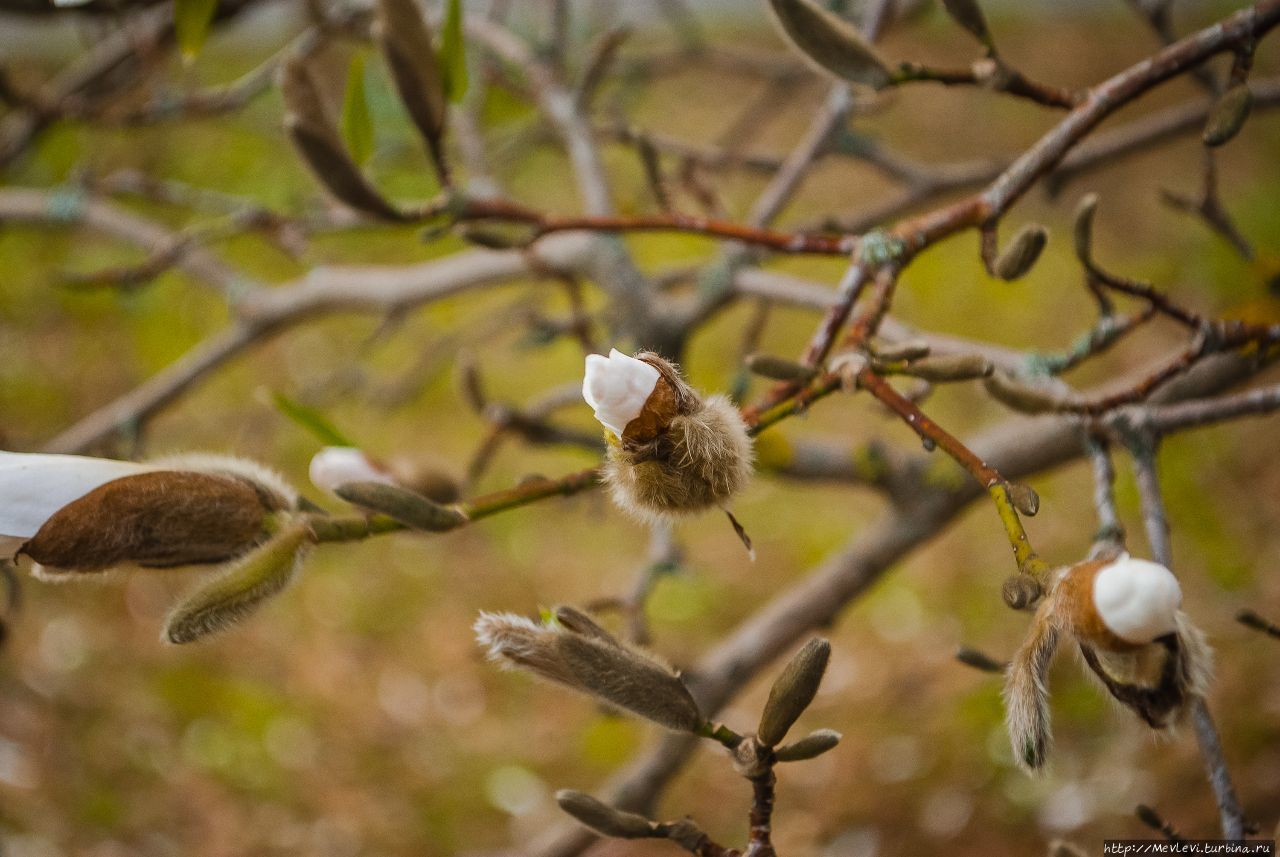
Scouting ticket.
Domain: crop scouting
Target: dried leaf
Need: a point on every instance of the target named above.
(357, 125)
(832, 43)
(191, 22)
(239, 590)
(406, 42)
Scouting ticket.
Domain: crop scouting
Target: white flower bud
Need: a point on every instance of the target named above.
(341, 465)
(1137, 599)
(617, 387)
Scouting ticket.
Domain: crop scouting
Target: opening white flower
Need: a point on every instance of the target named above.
(33, 487)
(1137, 599)
(617, 387)
(341, 465)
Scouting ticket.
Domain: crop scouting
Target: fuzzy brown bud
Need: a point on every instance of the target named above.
(793, 691)
(411, 509)
(593, 663)
(809, 747)
(1024, 498)
(159, 519)
(1022, 252)
(1021, 591)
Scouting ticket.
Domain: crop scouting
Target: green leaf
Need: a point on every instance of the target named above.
(311, 420)
(453, 56)
(191, 21)
(357, 125)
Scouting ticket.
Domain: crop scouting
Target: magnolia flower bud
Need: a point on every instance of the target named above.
(1124, 615)
(617, 387)
(72, 513)
(338, 465)
(793, 691)
(671, 451)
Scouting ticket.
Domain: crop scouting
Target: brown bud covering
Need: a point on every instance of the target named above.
(682, 453)
(316, 137)
(1021, 591)
(1024, 498)
(793, 690)
(158, 520)
(1228, 115)
(1022, 252)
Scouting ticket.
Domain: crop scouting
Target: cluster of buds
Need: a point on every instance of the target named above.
(671, 451)
(71, 516)
(1124, 614)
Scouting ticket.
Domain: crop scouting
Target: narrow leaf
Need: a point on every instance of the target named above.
(405, 40)
(191, 22)
(453, 56)
(311, 420)
(357, 125)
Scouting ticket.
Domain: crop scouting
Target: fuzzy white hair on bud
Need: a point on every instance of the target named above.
(616, 387)
(1137, 599)
(342, 465)
(35, 486)
(266, 481)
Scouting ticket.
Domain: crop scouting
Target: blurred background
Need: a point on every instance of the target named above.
(355, 715)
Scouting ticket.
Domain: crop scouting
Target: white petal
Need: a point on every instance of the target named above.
(616, 387)
(338, 465)
(34, 486)
(1137, 599)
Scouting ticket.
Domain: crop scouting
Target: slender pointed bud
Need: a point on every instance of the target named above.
(951, 367)
(831, 43)
(671, 452)
(811, 746)
(240, 589)
(334, 466)
(315, 136)
(908, 349)
(1228, 115)
(1021, 591)
(793, 690)
(604, 819)
(968, 14)
(1024, 498)
(1020, 396)
(405, 39)
(413, 510)
(779, 368)
(595, 664)
(1083, 228)
(1022, 252)
(979, 660)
